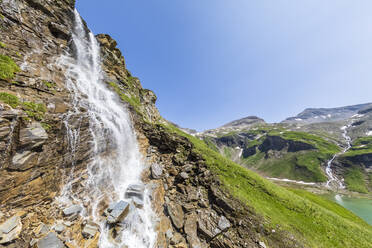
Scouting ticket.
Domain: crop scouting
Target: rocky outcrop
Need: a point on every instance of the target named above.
(128, 87)
(277, 143)
(195, 211)
(364, 161)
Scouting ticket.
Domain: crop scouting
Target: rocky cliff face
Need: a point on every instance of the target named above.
(34, 106)
(34, 100)
(36, 152)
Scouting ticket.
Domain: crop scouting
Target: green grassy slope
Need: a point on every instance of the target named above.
(311, 219)
(360, 146)
(356, 178)
(301, 165)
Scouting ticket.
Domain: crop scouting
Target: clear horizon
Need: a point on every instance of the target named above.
(213, 62)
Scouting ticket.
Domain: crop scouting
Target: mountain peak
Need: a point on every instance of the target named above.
(317, 115)
(243, 122)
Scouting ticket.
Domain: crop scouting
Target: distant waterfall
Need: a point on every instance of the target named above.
(331, 177)
(115, 161)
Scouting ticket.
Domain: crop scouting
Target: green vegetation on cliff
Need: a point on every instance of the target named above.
(132, 100)
(313, 220)
(268, 152)
(355, 180)
(9, 99)
(7, 67)
(33, 110)
(360, 146)
(304, 166)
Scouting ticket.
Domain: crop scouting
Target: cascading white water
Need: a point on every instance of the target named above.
(115, 162)
(329, 172)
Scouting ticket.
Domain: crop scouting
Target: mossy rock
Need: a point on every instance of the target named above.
(7, 67)
(9, 99)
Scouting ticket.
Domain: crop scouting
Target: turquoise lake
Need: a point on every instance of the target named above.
(359, 206)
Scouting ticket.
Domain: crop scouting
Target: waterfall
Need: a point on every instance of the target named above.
(329, 172)
(115, 161)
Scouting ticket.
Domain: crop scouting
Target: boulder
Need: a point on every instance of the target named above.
(156, 171)
(10, 229)
(223, 223)
(191, 230)
(50, 241)
(59, 228)
(118, 212)
(208, 224)
(23, 160)
(90, 230)
(135, 190)
(136, 193)
(33, 136)
(72, 210)
(176, 213)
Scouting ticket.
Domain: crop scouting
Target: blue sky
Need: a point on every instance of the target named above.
(213, 61)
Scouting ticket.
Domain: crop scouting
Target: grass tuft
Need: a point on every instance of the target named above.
(132, 100)
(9, 99)
(7, 67)
(355, 181)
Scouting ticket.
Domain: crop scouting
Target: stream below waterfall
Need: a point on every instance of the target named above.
(115, 163)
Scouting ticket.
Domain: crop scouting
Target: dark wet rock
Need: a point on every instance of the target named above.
(59, 31)
(136, 193)
(135, 190)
